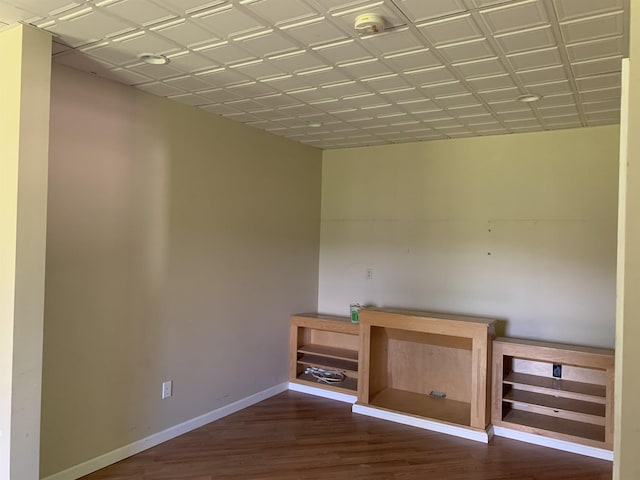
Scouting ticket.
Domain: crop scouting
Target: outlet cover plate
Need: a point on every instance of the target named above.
(167, 389)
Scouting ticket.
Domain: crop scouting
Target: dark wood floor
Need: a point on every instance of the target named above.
(297, 436)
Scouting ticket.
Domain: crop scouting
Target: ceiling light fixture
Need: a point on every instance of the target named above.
(529, 98)
(153, 59)
(369, 23)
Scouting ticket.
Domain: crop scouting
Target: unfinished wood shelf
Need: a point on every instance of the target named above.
(326, 342)
(577, 408)
(426, 366)
(577, 390)
(443, 409)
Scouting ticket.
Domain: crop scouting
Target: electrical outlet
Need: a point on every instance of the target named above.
(167, 389)
(369, 273)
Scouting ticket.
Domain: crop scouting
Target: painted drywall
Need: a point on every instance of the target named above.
(516, 227)
(25, 56)
(626, 463)
(178, 245)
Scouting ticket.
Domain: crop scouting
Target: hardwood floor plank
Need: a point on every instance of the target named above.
(294, 436)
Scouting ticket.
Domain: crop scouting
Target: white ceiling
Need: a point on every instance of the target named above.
(441, 69)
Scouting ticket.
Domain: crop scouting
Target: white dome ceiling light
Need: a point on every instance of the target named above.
(529, 98)
(369, 23)
(153, 59)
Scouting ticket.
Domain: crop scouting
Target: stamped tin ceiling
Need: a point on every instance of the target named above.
(298, 68)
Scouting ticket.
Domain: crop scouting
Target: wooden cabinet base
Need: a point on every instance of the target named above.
(550, 442)
(312, 388)
(393, 415)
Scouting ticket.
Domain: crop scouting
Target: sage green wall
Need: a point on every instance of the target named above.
(178, 245)
(518, 227)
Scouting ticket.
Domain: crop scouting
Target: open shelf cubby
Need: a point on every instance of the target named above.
(576, 407)
(426, 365)
(326, 342)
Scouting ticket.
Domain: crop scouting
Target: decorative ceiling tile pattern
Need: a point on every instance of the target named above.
(299, 69)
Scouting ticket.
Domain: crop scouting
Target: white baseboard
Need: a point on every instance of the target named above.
(322, 392)
(463, 432)
(121, 453)
(564, 445)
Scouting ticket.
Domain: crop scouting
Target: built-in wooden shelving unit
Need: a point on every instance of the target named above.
(426, 369)
(326, 342)
(576, 407)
